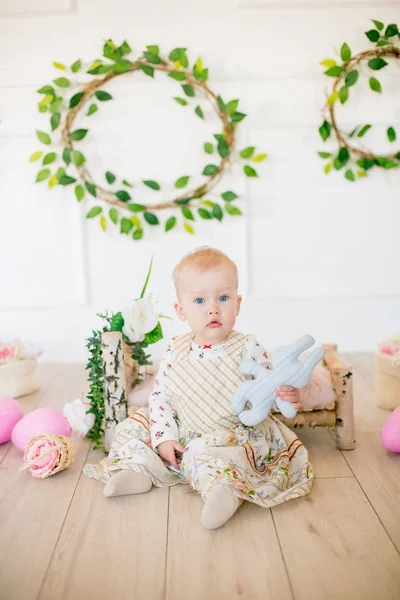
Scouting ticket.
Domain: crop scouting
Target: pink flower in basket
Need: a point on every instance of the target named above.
(7, 353)
(389, 348)
(47, 454)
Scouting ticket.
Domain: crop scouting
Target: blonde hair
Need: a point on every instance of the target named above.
(202, 258)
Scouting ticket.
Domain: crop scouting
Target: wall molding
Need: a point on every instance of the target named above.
(310, 5)
(46, 12)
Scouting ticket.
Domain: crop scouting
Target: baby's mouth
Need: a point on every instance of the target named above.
(214, 323)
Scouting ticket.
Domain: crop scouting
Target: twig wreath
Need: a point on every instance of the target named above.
(349, 155)
(134, 216)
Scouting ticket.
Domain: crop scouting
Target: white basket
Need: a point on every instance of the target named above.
(17, 378)
(387, 381)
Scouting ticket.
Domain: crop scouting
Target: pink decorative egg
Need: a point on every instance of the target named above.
(10, 414)
(391, 431)
(41, 420)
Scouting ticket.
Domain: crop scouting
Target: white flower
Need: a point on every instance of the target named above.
(79, 421)
(140, 317)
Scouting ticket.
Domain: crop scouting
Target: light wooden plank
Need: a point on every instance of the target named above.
(378, 472)
(32, 510)
(325, 458)
(45, 374)
(335, 546)
(240, 560)
(110, 547)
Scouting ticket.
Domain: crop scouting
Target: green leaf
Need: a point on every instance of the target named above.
(373, 35)
(147, 70)
(337, 163)
(229, 196)
(94, 212)
(136, 207)
(327, 168)
(377, 63)
(378, 24)
(152, 184)
(43, 137)
(181, 101)
(177, 75)
(59, 66)
(123, 195)
(91, 188)
(66, 180)
(249, 171)
(209, 148)
(217, 212)
(391, 30)
(387, 163)
(102, 95)
(137, 234)
(125, 182)
(350, 175)
(35, 156)
(176, 54)
(366, 163)
(66, 155)
(236, 117)
(351, 78)
(55, 121)
(126, 225)
(55, 106)
(92, 109)
(188, 228)
(113, 215)
(46, 100)
(170, 224)
(187, 213)
(328, 63)
(154, 49)
(232, 106)
(117, 322)
(79, 192)
(75, 67)
(103, 223)
(154, 336)
(210, 170)
(49, 158)
(343, 155)
(334, 71)
(60, 172)
(325, 130)
(223, 148)
(199, 112)
(247, 152)
(62, 82)
(345, 52)
(46, 89)
(76, 98)
(375, 85)
(204, 214)
(343, 94)
(391, 133)
(122, 66)
(78, 134)
(78, 158)
(364, 130)
(259, 158)
(325, 154)
(182, 182)
(333, 97)
(110, 177)
(189, 90)
(151, 218)
(231, 209)
(152, 58)
(221, 103)
(42, 175)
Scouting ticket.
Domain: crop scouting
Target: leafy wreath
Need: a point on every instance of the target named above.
(64, 110)
(349, 155)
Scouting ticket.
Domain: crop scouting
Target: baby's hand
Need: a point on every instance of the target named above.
(290, 394)
(167, 450)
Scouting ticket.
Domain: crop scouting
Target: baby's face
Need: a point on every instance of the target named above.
(208, 300)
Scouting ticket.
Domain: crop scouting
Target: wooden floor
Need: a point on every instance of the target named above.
(61, 538)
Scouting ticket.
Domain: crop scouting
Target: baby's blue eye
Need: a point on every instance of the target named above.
(223, 298)
(199, 300)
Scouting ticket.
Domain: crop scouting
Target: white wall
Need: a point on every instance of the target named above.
(316, 253)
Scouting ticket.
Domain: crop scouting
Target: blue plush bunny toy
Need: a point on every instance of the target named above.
(259, 390)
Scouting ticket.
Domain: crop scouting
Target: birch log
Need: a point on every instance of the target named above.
(115, 397)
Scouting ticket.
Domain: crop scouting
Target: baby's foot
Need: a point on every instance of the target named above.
(127, 482)
(219, 507)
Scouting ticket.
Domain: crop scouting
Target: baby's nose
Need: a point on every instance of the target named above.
(213, 310)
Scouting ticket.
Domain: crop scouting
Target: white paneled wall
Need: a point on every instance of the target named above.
(316, 253)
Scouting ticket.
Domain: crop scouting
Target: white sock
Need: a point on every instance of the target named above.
(219, 507)
(127, 482)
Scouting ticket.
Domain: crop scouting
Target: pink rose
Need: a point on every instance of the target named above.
(45, 456)
(389, 348)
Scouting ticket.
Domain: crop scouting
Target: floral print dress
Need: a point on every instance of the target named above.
(191, 402)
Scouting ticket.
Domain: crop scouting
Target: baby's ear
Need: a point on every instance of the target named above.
(179, 311)
(239, 302)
